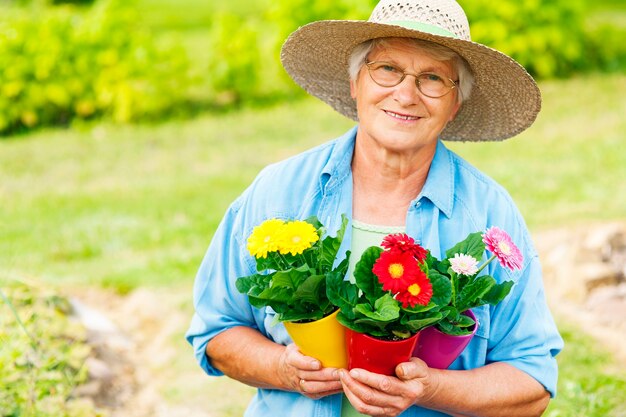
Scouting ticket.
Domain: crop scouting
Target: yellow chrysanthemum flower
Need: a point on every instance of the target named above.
(296, 237)
(265, 238)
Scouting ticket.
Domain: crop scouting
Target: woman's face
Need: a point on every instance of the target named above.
(401, 119)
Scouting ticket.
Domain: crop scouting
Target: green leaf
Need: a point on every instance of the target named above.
(385, 309)
(312, 290)
(416, 325)
(272, 262)
(451, 329)
(497, 293)
(473, 291)
(245, 284)
(472, 245)
(291, 278)
(342, 293)
(330, 246)
(465, 321)
(442, 288)
(365, 278)
(418, 308)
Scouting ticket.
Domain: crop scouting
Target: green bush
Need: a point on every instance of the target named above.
(41, 356)
(551, 39)
(65, 65)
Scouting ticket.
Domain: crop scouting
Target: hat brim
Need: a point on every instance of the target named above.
(505, 100)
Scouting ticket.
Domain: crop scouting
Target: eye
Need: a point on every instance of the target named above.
(431, 77)
(388, 68)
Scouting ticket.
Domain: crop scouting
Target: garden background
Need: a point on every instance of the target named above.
(129, 126)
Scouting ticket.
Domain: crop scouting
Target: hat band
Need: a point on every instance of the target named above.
(422, 27)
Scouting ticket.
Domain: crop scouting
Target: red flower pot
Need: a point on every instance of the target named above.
(438, 349)
(376, 355)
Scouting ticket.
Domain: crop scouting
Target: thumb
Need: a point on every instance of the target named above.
(415, 368)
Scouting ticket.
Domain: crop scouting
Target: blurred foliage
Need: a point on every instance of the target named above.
(41, 356)
(66, 64)
(551, 39)
(122, 60)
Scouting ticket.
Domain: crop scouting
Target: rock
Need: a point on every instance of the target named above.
(598, 274)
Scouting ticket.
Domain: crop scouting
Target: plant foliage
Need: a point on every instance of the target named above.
(366, 308)
(68, 63)
(468, 291)
(41, 356)
(294, 286)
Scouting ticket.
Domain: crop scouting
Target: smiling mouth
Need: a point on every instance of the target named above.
(401, 116)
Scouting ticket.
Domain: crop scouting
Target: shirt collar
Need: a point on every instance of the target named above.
(439, 186)
(339, 163)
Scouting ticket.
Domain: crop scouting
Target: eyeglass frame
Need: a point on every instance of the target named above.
(404, 74)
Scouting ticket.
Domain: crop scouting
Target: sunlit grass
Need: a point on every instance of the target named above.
(590, 382)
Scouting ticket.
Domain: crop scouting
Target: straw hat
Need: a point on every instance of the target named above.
(505, 100)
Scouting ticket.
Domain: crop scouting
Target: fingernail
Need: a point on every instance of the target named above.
(335, 373)
(341, 375)
(402, 371)
(354, 373)
(315, 364)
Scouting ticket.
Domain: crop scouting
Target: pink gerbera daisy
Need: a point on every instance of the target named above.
(501, 245)
(404, 243)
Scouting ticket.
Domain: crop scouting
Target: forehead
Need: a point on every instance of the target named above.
(408, 54)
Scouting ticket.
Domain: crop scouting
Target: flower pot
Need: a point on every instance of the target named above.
(322, 339)
(376, 355)
(438, 349)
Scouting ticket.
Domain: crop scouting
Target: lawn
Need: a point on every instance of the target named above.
(124, 207)
(135, 206)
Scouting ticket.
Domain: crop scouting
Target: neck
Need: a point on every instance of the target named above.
(385, 183)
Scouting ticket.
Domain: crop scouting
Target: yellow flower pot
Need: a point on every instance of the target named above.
(323, 339)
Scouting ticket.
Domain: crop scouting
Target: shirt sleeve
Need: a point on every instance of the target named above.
(218, 305)
(523, 332)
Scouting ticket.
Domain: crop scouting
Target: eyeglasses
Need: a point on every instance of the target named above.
(429, 83)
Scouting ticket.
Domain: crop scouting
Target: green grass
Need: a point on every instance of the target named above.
(590, 382)
(130, 206)
(124, 206)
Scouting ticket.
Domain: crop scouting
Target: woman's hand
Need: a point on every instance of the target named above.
(380, 395)
(305, 374)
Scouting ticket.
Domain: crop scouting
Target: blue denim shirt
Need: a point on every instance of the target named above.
(456, 200)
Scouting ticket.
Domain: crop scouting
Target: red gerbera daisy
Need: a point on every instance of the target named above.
(396, 270)
(418, 292)
(404, 243)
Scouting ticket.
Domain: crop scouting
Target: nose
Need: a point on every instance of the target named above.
(406, 93)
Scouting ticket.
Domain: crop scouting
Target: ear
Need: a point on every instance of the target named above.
(455, 110)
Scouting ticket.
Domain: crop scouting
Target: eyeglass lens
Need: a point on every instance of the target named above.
(430, 84)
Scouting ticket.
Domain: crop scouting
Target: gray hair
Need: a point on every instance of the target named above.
(436, 51)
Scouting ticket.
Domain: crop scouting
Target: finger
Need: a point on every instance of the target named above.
(325, 375)
(382, 383)
(351, 391)
(377, 390)
(296, 359)
(317, 387)
(415, 368)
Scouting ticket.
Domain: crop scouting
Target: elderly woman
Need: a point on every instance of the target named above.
(411, 77)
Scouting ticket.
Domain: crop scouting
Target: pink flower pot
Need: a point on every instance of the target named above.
(375, 355)
(438, 349)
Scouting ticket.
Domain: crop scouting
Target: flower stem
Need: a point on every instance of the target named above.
(485, 264)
